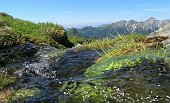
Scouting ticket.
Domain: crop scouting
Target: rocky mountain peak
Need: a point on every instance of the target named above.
(124, 27)
(151, 20)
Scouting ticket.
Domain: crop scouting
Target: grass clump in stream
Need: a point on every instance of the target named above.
(128, 51)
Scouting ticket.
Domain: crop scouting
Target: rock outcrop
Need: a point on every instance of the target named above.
(162, 32)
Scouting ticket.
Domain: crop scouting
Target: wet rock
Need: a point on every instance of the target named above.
(74, 63)
(163, 78)
(17, 54)
(143, 83)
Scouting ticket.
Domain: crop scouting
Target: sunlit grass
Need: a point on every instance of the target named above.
(127, 51)
(100, 44)
(132, 44)
(15, 31)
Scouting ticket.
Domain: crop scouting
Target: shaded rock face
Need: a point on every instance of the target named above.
(165, 32)
(61, 37)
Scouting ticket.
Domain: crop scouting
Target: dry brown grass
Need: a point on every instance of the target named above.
(4, 94)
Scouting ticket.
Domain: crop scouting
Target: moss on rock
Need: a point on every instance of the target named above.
(6, 79)
(117, 63)
(22, 94)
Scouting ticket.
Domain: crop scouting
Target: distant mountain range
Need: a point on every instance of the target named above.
(121, 27)
(74, 32)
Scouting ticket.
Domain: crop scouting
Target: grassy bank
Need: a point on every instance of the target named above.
(15, 31)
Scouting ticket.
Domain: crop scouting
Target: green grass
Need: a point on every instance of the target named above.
(77, 39)
(128, 51)
(99, 44)
(16, 31)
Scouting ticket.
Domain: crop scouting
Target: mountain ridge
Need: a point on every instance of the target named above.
(123, 27)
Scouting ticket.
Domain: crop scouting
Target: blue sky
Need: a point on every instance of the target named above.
(85, 12)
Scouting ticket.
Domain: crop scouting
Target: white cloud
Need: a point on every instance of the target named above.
(124, 12)
(158, 10)
(144, 5)
(70, 11)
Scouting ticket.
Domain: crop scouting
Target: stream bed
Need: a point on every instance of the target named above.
(48, 75)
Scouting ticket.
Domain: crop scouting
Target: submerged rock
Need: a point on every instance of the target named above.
(47, 74)
(17, 54)
(74, 63)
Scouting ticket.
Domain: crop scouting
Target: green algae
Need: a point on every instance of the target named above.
(6, 79)
(91, 94)
(23, 94)
(117, 63)
(87, 91)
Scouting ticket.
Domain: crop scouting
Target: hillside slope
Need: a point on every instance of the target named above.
(15, 31)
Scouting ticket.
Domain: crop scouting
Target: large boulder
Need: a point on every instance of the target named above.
(162, 32)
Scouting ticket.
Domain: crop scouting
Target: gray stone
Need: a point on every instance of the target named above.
(164, 31)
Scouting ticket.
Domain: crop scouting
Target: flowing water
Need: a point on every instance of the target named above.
(50, 68)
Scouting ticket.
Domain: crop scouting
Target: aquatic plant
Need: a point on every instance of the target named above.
(6, 79)
(21, 95)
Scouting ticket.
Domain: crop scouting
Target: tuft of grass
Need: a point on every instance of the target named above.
(132, 44)
(99, 44)
(128, 51)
